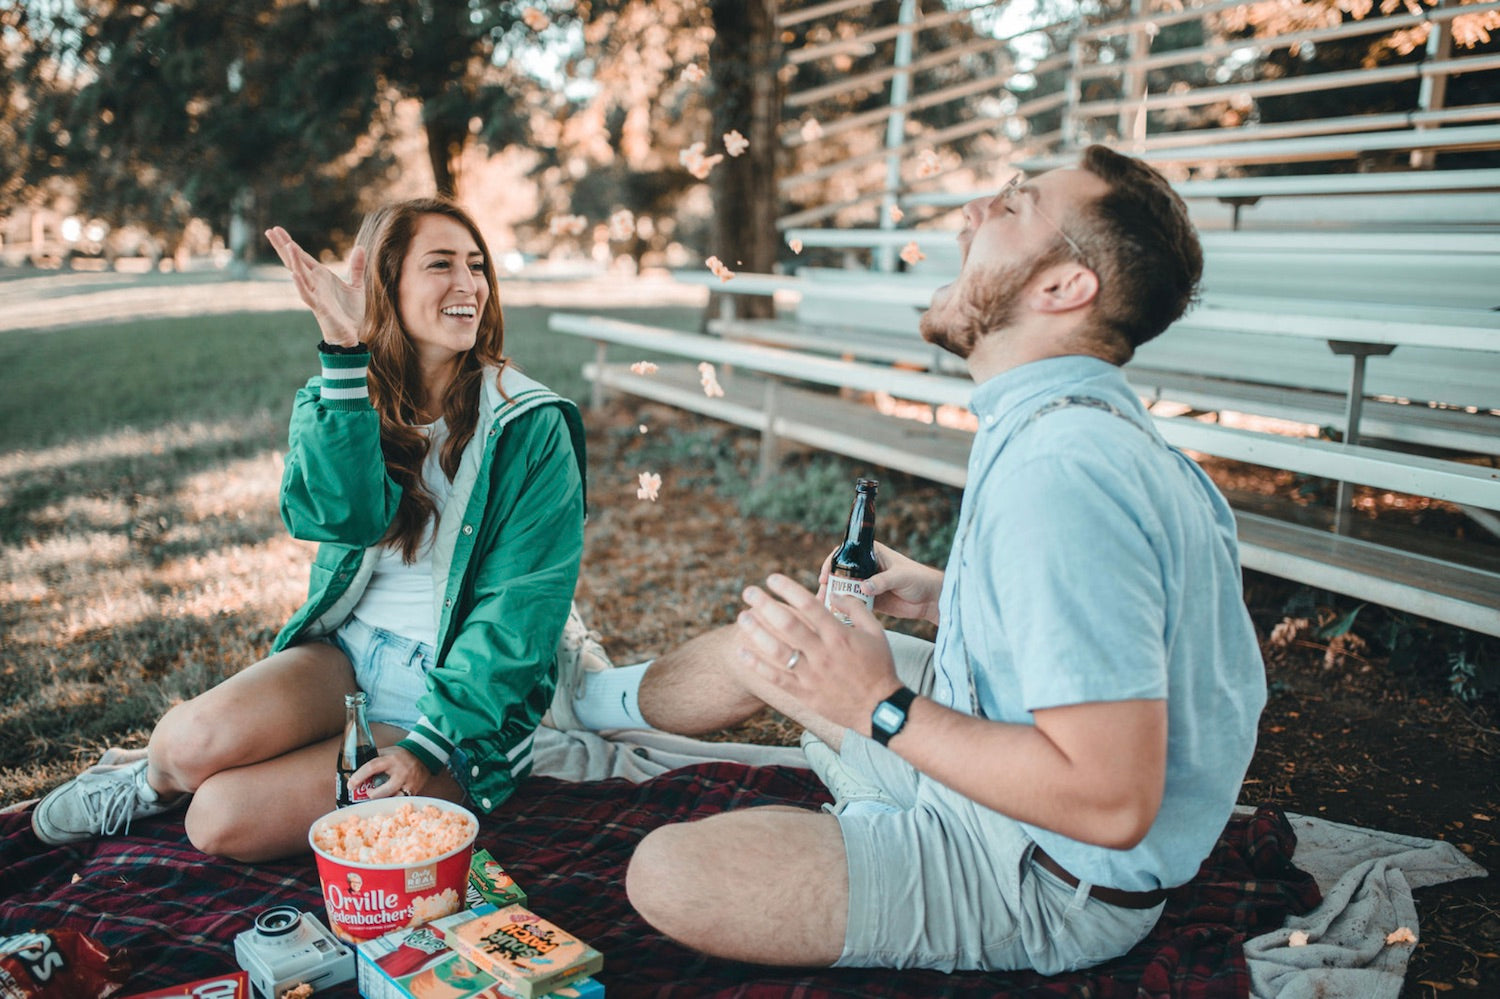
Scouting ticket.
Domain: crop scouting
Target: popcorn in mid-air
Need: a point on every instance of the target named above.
(735, 143)
(622, 224)
(795, 244)
(692, 73)
(643, 368)
(710, 379)
(649, 486)
(928, 163)
(912, 253)
(811, 130)
(535, 19)
(718, 268)
(698, 164)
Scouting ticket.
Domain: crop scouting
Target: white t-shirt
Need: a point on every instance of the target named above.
(399, 596)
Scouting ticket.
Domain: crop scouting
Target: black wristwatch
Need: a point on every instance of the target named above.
(889, 716)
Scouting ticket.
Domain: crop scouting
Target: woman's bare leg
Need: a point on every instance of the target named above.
(263, 811)
(289, 700)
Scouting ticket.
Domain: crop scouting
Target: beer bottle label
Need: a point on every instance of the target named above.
(843, 586)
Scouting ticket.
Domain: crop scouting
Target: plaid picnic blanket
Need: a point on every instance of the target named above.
(567, 844)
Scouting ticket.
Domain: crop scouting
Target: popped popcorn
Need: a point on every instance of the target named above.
(404, 836)
(710, 379)
(912, 253)
(735, 143)
(622, 224)
(1401, 934)
(896, 214)
(718, 268)
(643, 368)
(795, 244)
(928, 163)
(811, 130)
(692, 73)
(1298, 938)
(697, 163)
(426, 908)
(535, 19)
(650, 485)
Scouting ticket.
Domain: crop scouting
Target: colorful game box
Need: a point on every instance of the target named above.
(488, 882)
(418, 964)
(527, 954)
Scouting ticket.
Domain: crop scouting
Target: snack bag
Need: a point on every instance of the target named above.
(60, 964)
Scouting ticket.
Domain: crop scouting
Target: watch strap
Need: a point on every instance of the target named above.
(900, 699)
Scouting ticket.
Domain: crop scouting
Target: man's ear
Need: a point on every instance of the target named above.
(1064, 287)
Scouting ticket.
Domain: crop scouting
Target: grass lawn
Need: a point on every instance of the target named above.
(141, 554)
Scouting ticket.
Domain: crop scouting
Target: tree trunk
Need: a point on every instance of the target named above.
(444, 144)
(743, 60)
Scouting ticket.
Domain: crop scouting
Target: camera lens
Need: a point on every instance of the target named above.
(277, 922)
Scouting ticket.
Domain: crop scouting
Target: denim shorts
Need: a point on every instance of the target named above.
(392, 671)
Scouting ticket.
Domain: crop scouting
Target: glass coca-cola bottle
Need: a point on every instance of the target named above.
(357, 749)
(855, 558)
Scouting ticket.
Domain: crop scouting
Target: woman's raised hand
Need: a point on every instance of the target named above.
(339, 305)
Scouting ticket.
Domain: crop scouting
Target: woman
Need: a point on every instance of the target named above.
(446, 490)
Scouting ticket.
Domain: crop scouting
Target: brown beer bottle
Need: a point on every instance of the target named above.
(357, 749)
(855, 558)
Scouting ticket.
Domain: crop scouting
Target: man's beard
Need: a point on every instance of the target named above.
(980, 302)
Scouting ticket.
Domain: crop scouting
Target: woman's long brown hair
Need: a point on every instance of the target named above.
(396, 388)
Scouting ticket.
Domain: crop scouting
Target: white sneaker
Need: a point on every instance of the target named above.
(98, 803)
(578, 654)
(844, 784)
(115, 756)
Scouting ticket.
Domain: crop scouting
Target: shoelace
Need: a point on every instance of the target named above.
(114, 802)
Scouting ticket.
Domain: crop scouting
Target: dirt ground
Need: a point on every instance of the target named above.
(1342, 737)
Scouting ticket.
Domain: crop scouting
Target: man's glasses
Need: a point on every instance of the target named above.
(1012, 190)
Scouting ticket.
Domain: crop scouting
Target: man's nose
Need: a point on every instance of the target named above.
(974, 212)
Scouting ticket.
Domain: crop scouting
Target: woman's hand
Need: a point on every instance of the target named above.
(404, 773)
(339, 305)
(793, 642)
(903, 587)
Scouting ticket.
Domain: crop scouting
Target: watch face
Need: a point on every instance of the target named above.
(888, 716)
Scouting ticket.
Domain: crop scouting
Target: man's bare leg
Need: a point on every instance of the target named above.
(704, 685)
(790, 901)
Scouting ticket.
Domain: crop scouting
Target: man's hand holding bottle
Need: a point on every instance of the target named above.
(903, 587)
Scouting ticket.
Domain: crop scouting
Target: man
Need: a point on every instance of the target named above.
(1021, 793)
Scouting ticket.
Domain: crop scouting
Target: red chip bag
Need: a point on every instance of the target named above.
(59, 964)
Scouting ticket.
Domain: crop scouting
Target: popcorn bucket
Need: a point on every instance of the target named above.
(366, 900)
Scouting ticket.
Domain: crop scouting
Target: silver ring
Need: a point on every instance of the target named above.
(796, 657)
(406, 791)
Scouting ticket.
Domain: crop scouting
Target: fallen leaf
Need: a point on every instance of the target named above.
(1401, 934)
(692, 73)
(1439, 986)
(912, 253)
(650, 485)
(644, 368)
(1482, 817)
(795, 244)
(735, 143)
(1298, 938)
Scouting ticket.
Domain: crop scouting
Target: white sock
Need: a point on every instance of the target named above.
(611, 699)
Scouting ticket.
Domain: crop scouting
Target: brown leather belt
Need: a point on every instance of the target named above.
(1109, 896)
